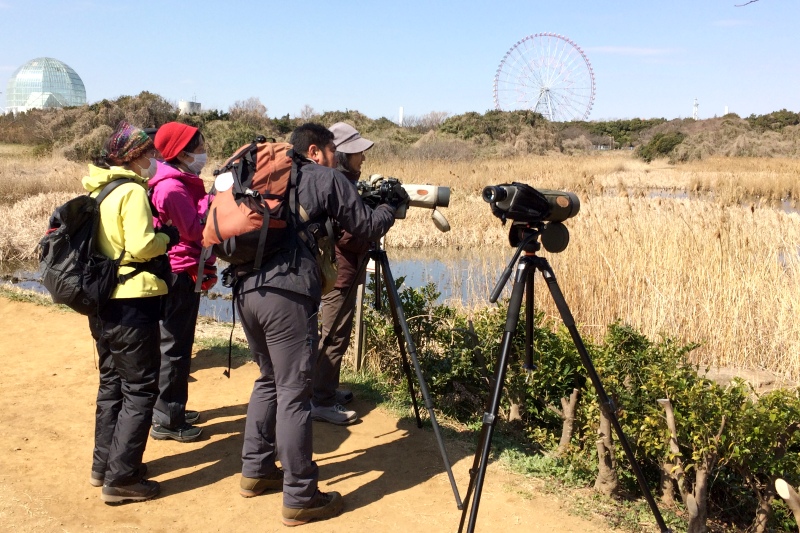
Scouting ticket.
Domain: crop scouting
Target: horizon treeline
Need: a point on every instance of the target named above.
(77, 133)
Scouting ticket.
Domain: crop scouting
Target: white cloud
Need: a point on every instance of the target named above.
(630, 51)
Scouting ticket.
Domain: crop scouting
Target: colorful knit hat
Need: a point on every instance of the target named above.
(173, 137)
(125, 144)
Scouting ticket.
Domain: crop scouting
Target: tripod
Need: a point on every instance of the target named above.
(404, 342)
(523, 284)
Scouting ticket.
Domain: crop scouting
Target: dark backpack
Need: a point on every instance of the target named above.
(73, 271)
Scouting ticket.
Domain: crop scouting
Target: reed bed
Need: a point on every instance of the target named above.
(737, 180)
(23, 175)
(696, 251)
(727, 277)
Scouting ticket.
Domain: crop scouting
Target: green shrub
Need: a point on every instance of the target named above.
(661, 145)
(744, 441)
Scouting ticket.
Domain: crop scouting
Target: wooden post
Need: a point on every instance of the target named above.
(360, 345)
(360, 337)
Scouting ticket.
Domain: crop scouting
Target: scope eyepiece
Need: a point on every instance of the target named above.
(494, 193)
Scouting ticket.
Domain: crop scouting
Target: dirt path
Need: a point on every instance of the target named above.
(390, 473)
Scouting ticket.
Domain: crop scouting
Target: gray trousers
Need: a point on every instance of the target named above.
(128, 360)
(281, 331)
(180, 308)
(329, 362)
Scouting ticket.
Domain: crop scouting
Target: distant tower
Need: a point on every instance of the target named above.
(189, 107)
(726, 110)
(400, 119)
(694, 110)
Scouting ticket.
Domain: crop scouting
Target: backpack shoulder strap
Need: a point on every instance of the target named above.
(107, 188)
(110, 186)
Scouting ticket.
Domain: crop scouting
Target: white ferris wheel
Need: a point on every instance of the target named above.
(548, 74)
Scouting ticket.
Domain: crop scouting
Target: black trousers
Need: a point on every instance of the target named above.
(128, 360)
(180, 308)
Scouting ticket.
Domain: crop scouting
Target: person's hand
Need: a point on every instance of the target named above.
(209, 277)
(173, 234)
(398, 196)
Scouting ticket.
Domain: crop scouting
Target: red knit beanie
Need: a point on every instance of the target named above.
(173, 137)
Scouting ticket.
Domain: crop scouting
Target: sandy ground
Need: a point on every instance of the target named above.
(390, 473)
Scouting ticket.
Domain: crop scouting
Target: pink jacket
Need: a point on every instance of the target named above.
(181, 198)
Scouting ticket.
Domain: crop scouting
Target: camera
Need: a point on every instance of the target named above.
(529, 209)
(379, 190)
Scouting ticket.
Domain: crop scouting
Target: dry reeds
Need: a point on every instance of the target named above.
(720, 268)
(727, 277)
(23, 175)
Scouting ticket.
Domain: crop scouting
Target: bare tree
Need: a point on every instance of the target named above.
(307, 113)
(251, 112)
(428, 122)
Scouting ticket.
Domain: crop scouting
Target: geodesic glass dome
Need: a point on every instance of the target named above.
(44, 82)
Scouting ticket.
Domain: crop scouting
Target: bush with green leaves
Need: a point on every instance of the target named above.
(661, 145)
(775, 121)
(718, 447)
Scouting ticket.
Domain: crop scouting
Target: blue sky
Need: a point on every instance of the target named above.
(651, 58)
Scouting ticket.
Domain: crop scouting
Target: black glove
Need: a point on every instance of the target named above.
(398, 196)
(173, 234)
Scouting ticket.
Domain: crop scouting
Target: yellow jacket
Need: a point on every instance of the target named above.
(126, 222)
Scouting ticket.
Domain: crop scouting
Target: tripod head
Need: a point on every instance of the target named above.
(525, 237)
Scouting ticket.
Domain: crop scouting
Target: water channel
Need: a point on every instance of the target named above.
(461, 276)
(465, 276)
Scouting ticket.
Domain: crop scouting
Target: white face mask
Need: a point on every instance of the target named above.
(197, 163)
(150, 171)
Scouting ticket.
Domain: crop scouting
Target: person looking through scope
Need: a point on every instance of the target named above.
(278, 308)
(328, 401)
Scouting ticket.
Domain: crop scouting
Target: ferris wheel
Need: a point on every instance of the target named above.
(548, 74)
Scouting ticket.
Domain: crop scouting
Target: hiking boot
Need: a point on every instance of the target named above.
(139, 491)
(253, 486)
(186, 433)
(323, 505)
(97, 478)
(343, 396)
(334, 414)
(190, 417)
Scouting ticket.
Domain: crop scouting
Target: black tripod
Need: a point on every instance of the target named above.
(523, 283)
(405, 343)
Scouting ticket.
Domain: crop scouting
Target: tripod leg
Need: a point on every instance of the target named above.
(400, 328)
(529, 322)
(378, 280)
(605, 402)
(400, 324)
(478, 470)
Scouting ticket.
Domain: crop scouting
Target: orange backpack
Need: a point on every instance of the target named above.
(253, 215)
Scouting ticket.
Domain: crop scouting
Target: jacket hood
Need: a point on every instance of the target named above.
(166, 171)
(100, 176)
